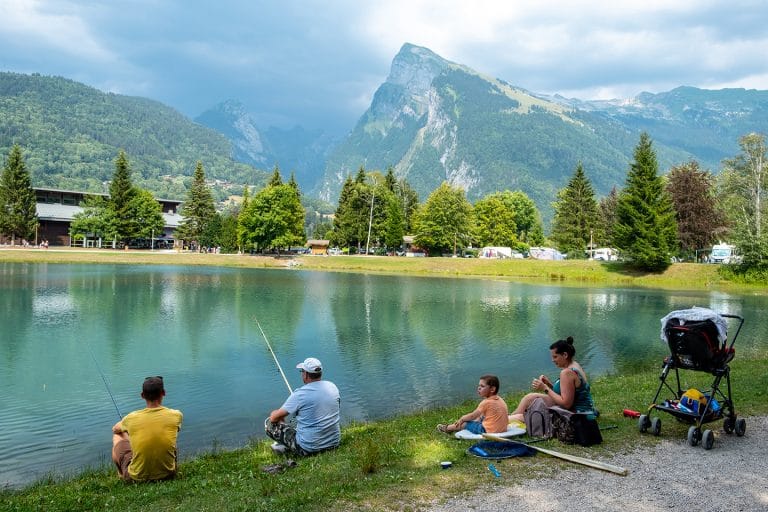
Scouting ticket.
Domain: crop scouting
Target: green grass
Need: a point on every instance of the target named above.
(688, 276)
(381, 465)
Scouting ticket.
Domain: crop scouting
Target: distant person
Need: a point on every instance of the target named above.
(144, 442)
(571, 391)
(491, 416)
(316, 407)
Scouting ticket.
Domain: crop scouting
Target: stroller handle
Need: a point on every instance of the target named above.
(738, 330)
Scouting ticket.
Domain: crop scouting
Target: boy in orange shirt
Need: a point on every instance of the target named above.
(491, 416)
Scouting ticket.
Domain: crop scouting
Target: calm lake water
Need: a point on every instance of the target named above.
(392, 344)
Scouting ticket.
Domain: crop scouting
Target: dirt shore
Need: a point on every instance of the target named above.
(669, 476)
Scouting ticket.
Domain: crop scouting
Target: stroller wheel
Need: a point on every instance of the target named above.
(694, 435)
(643, 423)
(729, 424)
(741, 427)
(708, 440)
(656, 426)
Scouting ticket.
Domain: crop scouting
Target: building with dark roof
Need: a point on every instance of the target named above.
(56, 209)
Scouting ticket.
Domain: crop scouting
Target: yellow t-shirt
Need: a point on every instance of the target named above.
(153, 432)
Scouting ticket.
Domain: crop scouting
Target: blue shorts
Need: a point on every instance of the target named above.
(476, 427)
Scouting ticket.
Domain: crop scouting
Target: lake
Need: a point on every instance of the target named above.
(72, 335)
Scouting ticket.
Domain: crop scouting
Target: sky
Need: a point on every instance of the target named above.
(318, 63)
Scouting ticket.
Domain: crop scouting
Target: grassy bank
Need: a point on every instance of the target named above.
(383, 465)
(677, 276)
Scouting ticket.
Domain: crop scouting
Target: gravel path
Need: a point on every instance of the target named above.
(733, 476)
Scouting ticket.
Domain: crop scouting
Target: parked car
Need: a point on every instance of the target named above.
(334, 251)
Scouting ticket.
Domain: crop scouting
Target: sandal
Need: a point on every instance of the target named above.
(442, 428)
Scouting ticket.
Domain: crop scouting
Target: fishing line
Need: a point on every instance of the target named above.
(104, 378)
(273, 355)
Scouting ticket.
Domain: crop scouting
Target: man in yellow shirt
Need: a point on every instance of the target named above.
(144, 442)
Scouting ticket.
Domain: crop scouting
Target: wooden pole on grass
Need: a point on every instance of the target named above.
(565, 456)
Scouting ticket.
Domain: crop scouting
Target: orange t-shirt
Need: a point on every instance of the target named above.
(495, 414)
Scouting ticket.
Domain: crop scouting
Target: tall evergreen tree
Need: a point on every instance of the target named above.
(576, 215)
(18, 206)
(700, 221)
(646, 230)
(241, 242)
(121, 193)
(410, 201)
(198, 210)
(603, 235)
(276, 179)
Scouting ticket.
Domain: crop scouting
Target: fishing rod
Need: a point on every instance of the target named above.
(104, 378)
(273, 355)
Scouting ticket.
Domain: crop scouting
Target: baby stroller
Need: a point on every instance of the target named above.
(697, 340)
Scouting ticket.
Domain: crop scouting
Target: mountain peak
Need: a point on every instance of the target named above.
(414, 67)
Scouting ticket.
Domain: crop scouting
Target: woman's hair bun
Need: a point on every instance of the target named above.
(569, 340)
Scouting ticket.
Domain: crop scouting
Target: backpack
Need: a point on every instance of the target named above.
(575, 427)
(538, 422)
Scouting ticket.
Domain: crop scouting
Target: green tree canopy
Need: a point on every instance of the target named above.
(18, 206)
(744, 184)
(148, 214)
(444, 223)
(493, 223)
(645, 229)
(272, 219)
(527, 217)
(576, 215)
(198, 210)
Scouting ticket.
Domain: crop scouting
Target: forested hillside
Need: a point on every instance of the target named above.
(71, 133)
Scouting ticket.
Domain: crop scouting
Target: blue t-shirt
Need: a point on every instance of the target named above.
(316, 407)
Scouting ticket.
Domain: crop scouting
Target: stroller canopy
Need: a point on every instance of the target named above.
(696, 314)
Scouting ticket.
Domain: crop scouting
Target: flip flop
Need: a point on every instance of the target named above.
(442, 428)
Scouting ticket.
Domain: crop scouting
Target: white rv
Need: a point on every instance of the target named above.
(723, 253)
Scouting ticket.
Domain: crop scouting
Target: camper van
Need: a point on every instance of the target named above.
(723, 253)
(605, 254)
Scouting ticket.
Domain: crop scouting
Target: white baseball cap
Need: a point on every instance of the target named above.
(310, 365)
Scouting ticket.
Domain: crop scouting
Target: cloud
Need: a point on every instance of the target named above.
(31, 24)
(319, 63)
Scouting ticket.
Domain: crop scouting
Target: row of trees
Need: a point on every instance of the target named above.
(650, 220)
(377, 210)
(654, 218)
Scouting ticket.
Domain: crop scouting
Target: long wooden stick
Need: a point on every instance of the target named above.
(565, 456)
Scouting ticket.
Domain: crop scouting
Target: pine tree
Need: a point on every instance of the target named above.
(607, 219)
(576, 215)
(198, 210)
(18, 206)
(276, 179)
(121, 193)
(645, 229)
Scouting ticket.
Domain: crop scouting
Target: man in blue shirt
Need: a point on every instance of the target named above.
(316, 407)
